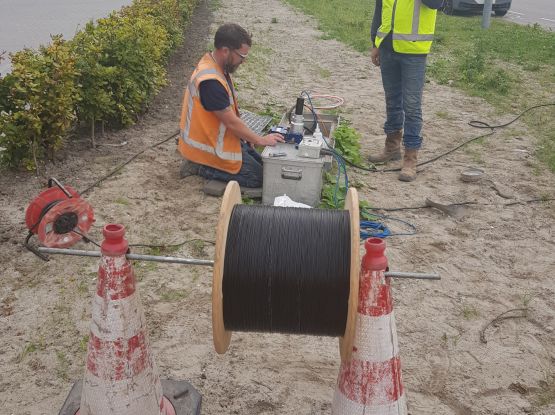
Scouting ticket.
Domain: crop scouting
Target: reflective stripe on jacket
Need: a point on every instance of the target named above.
(413, 26)
(204, 139)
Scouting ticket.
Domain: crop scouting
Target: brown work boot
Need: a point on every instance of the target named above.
(392, 150)
(408, 171)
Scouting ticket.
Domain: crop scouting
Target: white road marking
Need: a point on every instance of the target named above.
(521, 14)
(549, 20)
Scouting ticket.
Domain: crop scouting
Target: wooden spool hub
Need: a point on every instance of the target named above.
(221, 336)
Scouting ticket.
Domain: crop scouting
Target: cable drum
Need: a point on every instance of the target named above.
(285, 270)
(58, 216)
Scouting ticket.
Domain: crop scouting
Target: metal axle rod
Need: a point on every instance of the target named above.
(154, 258)
(191, 261)
(413, 275)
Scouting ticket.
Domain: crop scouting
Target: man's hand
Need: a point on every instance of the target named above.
(240, 129)
(271, 139)
(375, 55)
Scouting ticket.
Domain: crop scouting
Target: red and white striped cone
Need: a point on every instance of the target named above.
(120, 376)
(371, 383)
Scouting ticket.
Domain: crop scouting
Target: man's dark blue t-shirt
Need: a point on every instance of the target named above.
(213, 96)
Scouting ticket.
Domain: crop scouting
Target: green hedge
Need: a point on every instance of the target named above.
(37, 101)
(108, 72)
(120, 63)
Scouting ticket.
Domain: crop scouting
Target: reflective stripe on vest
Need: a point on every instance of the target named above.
(412, 24)
(219, 150)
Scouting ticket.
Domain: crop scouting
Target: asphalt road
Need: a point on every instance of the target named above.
(533, 11)
(29, 23)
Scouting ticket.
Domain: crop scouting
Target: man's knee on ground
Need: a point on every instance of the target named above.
(188, 168)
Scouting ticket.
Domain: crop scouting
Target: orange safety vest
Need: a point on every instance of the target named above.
(204, 139)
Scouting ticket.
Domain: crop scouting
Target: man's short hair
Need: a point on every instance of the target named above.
(232, 36)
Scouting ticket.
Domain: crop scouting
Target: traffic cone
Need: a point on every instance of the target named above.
(121, 377)
(371, 383)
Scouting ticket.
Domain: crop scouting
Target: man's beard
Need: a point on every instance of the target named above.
(230, 68)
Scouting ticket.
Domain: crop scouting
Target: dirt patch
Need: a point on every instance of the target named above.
(492, 258)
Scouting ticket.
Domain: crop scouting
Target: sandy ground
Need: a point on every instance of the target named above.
(492, 258)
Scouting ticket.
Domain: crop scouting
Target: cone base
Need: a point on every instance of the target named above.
(182, 395)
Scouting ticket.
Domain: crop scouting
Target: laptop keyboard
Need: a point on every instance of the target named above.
(255, 122)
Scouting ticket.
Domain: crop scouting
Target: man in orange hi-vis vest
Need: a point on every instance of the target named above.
(214, 141)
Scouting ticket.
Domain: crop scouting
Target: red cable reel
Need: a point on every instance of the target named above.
(58, 216)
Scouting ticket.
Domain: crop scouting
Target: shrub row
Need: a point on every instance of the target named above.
(107, 73)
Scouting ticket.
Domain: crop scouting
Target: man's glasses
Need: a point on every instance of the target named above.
(243, 57)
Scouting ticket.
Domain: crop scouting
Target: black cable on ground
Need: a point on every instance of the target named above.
(443, 154)
(481, 124)
(473, 123)
(518, 202)
(118, 168)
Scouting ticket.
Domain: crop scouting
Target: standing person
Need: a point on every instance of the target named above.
(402, 33)
(214, 141)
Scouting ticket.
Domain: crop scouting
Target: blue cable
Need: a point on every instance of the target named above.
(409, 225)
(369, 229)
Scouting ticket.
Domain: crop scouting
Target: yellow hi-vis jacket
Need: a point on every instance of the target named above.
(413, 26)
(204, 139)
